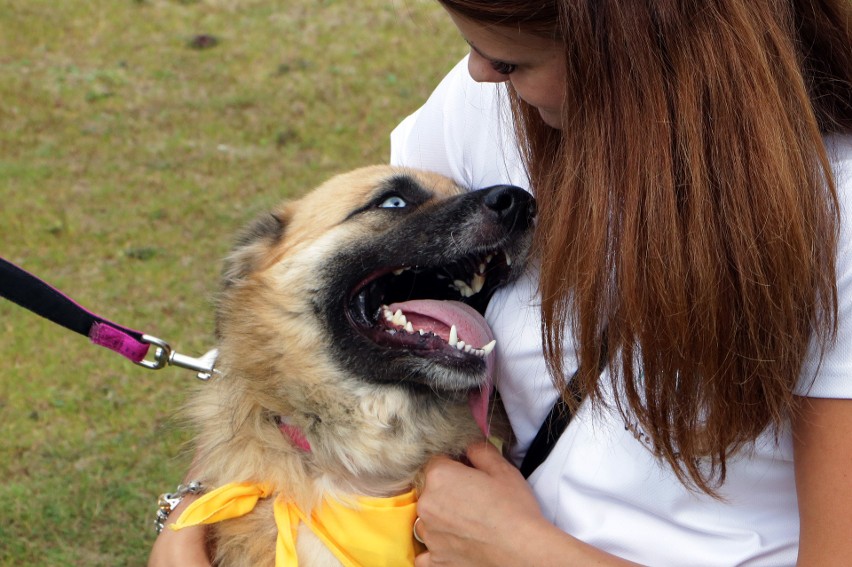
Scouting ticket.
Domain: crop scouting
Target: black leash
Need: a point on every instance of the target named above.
(551, 429)
(32, 293)
(557, 421)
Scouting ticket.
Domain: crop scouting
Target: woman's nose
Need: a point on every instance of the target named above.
(481, 71)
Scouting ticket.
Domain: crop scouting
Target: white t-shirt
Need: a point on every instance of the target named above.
(602, 483)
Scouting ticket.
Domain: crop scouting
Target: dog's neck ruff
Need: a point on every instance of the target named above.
(362, 532)
(478, 401)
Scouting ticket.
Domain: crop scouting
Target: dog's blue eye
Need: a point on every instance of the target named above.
(395, 202)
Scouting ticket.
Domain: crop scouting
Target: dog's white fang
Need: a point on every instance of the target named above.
(475, 286)
(478, 283)
(454, 336)
(463, 288)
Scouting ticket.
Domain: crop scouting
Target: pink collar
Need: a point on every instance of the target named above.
(295, 434)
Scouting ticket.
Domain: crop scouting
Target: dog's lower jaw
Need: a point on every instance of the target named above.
(440, 380)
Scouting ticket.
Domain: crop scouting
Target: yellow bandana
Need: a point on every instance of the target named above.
(365, 532)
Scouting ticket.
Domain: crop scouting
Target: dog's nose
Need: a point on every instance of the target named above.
(515, 208)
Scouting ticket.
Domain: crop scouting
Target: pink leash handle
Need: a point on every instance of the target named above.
(32, 293)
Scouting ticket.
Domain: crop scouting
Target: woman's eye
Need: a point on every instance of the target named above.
(395, 202)
(503, 68)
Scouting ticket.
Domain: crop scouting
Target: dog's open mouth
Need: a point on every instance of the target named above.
(431, 311)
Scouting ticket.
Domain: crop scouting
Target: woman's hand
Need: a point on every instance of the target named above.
(183, 548)
(486, 514)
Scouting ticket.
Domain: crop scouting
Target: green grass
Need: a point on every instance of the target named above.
(128, 159)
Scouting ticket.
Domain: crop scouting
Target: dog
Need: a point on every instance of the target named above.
(351, 350)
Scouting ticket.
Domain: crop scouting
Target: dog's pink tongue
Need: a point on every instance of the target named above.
(437, 317)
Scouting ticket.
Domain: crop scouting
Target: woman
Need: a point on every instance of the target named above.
(693, 164)
(681, 155)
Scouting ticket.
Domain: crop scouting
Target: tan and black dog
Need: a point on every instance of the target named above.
(350, 352)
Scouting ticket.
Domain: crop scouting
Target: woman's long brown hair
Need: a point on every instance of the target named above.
(687, 207)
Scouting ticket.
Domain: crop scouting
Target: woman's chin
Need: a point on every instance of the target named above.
(552, 118)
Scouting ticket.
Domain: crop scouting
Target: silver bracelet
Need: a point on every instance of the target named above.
(169, 501)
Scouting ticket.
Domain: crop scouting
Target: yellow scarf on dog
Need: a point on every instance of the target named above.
(366, 532)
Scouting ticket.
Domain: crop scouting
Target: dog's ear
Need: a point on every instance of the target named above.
(253, 245)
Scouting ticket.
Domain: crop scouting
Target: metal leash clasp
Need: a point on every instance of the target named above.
(165, 356)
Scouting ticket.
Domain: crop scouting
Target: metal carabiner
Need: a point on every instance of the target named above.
(162, 352)
(165, 356)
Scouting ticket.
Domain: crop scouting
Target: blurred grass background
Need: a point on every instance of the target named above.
(129, 156)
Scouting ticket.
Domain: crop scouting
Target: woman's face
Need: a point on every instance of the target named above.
(534, 65)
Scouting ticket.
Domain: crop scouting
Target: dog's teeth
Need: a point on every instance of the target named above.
(399, 271)
(508, 259)
(460, 345)
(454, 336)
(388, 314)
(486, 350)
(463, 288)
(468, 349)
(422, 332)
(409, 328)
(399, 318)
(482, 268)
(477, 283)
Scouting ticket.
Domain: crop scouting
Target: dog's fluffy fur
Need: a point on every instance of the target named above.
(301, 338)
